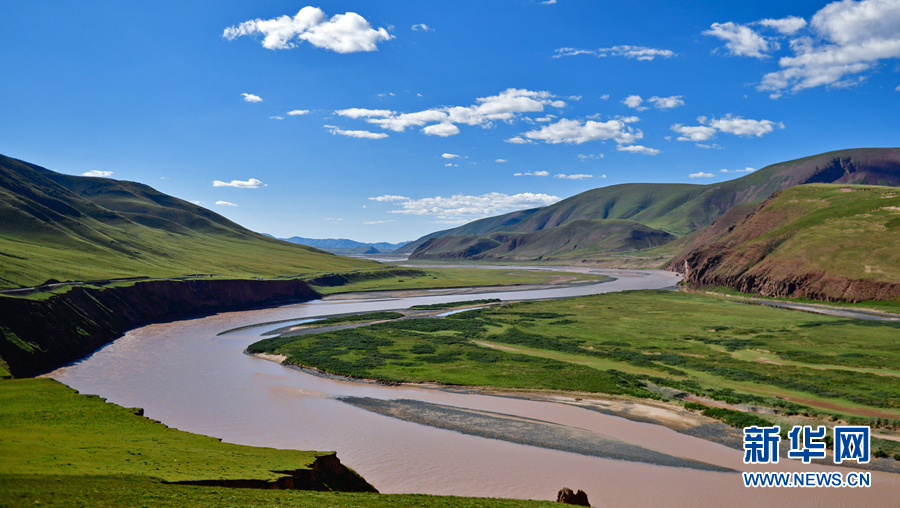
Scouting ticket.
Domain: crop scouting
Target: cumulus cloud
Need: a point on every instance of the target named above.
(298, 112)
(252, 183)
(356, 134)
(225, 203)
(506, 106)
(576, 132)
(422, 27)
(666, 102)
(636, 52)
(548, 2)
(728, 124)
(786, 26)
(536, 173)
(98, 173)
(449, 164)
(637, 149)
(343, 33)
(745, 170)
(276, 118)
(634, 102)
(694, 133)
(501, 161)
(744, 126)
(572, 177)
(462, 206)
(249, 97)
(450, 156)
(836, 48)
(517, 140)
(742, 40)
(701, 175)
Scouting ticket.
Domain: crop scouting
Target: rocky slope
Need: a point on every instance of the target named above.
(822, 242)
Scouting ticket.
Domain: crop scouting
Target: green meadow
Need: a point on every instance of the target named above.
(642, 343)
(62, 449)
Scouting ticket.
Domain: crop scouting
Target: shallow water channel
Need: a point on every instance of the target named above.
(189, 377)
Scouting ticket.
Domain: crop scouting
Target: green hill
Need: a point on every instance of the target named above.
(55, 226)
(680, 209)
(821, 242)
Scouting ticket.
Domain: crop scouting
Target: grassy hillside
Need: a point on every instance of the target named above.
(62, 227)
(680, 209)
(572, 240)
(828, 242)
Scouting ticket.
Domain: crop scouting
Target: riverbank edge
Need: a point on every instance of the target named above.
(38, 336)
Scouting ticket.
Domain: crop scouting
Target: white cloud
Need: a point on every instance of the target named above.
(442, 129)
(604, 97)
(548, 2)
(449, 164)
(745, 170)
(574, 132)
(252, 183)
(249, 97)
(637, 52)
(694, 133)
(356, 134)
(389, 198)
(198, 203)
(506, 106)
(637, 149)
(634, 102)
(98, 173)
(841, 42)
(225, 203)
(517, 140)
(572, 177)
(276, 118)
(667, 102)
(741, 40)
(708, 147)
(460, 206)
(701, 175)
(297, 112)
(590, 156)
(744, 127)
(728, 124)
(450, 156)
(377, 221)
(501, 161)
(786, 26)
(536, 173)
(897, 89)
(331, 219)
(361, 112)
(545, 118)
(422, 27)
(343, 33)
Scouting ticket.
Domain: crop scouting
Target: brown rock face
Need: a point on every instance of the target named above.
(568, 497)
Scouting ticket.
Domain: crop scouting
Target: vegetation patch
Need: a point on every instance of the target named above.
(454, 305)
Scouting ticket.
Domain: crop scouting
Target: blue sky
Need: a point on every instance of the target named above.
(410, 117)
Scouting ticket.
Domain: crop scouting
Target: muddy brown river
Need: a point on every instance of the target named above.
(187, 376)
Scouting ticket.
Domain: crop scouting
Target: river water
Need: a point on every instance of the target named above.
(187, 376)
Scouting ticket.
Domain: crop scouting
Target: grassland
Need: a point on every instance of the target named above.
(63, 449)
(635, 343)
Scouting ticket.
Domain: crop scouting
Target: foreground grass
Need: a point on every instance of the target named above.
(632, 343)
(59, 448)
(117, 491)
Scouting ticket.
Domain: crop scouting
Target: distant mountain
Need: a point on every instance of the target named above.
(822, 242)
(56, 226)
(342, 244)
(677, 209)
